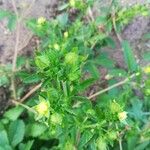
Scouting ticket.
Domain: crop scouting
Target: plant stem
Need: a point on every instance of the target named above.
(115, 27)
(120, 139)
(15, 51)
(120, 144)
(78, 137)
(113, 86)
(65, 88)
(24, 106)
(31, 92)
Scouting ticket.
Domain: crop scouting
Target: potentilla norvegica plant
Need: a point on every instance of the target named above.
(67, 63)
(66, 53)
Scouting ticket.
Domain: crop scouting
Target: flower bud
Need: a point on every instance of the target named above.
(71, 58)
(122, 115)
(147, 70)
(42, 108)
(41, 21)
(56, 46)
(56, 119)
(66, 34)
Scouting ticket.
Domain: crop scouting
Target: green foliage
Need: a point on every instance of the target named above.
(68, 63)
(125, 15)
(16, 132)
(11, 18)
(129, 57)
(13, 113)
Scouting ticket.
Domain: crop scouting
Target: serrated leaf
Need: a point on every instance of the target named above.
(16, 132)
(5, 147)
(3, 14)
(110, 42)
(63, 19)
(11, 22)
(118, 73)
(129, 56)
(42, 61)
(35, 129)
(20, 61)
(13, 113)
(3, 80)
(147, 56)
(85, 84)
(62, 7)
(147, 36)
(104, 61)
(29, 78)
(143, 146)
(115, 91)
(137, 109)
(26, 146)
(85, 138)
(93, 71)
(3, 138)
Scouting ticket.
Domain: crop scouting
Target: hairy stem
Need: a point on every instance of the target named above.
(24, 106)
(113, 86)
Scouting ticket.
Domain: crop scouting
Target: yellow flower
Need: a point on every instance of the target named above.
(56, 46)
(115, 107)
(42, 108)
(41, 21)
(65, 34)
(108, 77)
(146, 70)
(72, 3)
(122, 115)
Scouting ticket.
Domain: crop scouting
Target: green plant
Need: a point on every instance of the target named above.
(64, 115)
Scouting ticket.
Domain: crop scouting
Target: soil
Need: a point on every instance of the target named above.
(48, 8)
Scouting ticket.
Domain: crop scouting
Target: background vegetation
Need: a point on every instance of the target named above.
(59, 111)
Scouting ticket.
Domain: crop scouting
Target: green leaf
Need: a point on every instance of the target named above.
(107, 63)
(21, 61)
(132, 142)
(63, 19)
(35, 129)
(6, 147)
(93, 70)
(101, 20)
(14, 113)
(143, 146)
(147, 56)
(28, 77)
(115, 91)
(129, 56)
(62, 7)
(16, 132)
(42, 61)
(137, 109)
(86, 83)
(3, 80)
(26, 146)
(85, 138)
(11, 22)
(3, 138)
(1, 126)
(3, 14)
(118, 73)
(147, 36)
(110, 42)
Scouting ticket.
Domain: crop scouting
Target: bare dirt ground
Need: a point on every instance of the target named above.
(48, 8)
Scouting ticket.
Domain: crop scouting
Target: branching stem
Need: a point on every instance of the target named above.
(113, 86)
